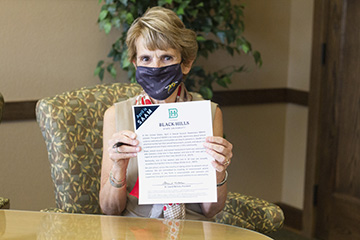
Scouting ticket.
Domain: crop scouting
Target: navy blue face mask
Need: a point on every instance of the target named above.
(161, 82)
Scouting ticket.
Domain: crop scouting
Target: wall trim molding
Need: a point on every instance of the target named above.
(25, 110)
(261, 96)
(19, 111)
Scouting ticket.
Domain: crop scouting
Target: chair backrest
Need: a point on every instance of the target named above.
(2, 104)
(72, 125)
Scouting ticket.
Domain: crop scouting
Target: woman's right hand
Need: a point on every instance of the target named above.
(128, 149)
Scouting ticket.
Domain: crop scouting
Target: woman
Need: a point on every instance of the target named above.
(162, 51)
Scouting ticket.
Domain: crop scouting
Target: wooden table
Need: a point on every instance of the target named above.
(36, 225)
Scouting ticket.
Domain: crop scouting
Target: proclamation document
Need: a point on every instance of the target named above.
(173, 164)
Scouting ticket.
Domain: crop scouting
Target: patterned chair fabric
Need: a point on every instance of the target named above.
(71, 124)
(251, 213)
(4, 203)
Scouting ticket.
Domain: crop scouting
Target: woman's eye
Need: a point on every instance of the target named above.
(168, 58)
(145, 59)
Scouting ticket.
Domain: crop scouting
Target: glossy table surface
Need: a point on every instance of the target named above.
(36, 225)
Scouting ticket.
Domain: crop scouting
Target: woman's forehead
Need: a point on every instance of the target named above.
(143, 48)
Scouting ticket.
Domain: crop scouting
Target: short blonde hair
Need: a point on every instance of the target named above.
(162, 29)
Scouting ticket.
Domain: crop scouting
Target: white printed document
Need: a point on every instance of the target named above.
(173, 164)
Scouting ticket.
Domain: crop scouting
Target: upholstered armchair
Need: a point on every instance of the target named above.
(71, 124)
(4, 202)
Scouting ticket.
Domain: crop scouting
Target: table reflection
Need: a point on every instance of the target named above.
(2, 223)
(117, 228)
(36, 225)
(68, 226)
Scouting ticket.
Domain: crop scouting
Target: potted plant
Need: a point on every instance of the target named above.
(219, 25)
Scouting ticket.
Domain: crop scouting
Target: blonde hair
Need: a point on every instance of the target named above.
(162, 29)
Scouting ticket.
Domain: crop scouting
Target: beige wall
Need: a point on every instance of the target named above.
(257, 133)
(271, 139)
(296, 116)
(267, 27)
(25, 171)
(47, 47)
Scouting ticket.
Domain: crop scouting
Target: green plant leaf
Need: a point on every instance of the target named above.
(131, 74)
(161, 2)
(221, 83)
(180, 11)
(245, 47)
(230, 50)
(124, 2)
(117, 57)
(200, 5)
(103, 14)
(222, 36)
(112, 9)
(206, 92)
(107, 27)
(219, 24)
(194, 13)
(224, 81)
(240, 69)
(200, 38)
(126, 63)
(257, 57)
(204, 53)
(97, 71)
(101, 74)
(111, 69)
(116, 22)
(100, 63)
(129, 18)
(111, 53)
(113, 72)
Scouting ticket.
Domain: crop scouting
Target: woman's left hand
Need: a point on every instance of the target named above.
(221, 150)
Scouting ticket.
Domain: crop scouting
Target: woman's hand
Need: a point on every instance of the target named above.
(221, 150)
(122, 146)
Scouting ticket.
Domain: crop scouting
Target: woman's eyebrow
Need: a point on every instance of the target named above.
(168, 54)
(143, 55)
(160, 56)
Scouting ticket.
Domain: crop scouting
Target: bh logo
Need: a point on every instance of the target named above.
(173, 113)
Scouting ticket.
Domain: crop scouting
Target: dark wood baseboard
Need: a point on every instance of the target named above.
(15, 111)
(293, 216)
(261, 96)
(25, 110)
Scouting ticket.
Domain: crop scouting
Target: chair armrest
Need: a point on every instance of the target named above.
(53, 210)
(251, 213)
(4, 203)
